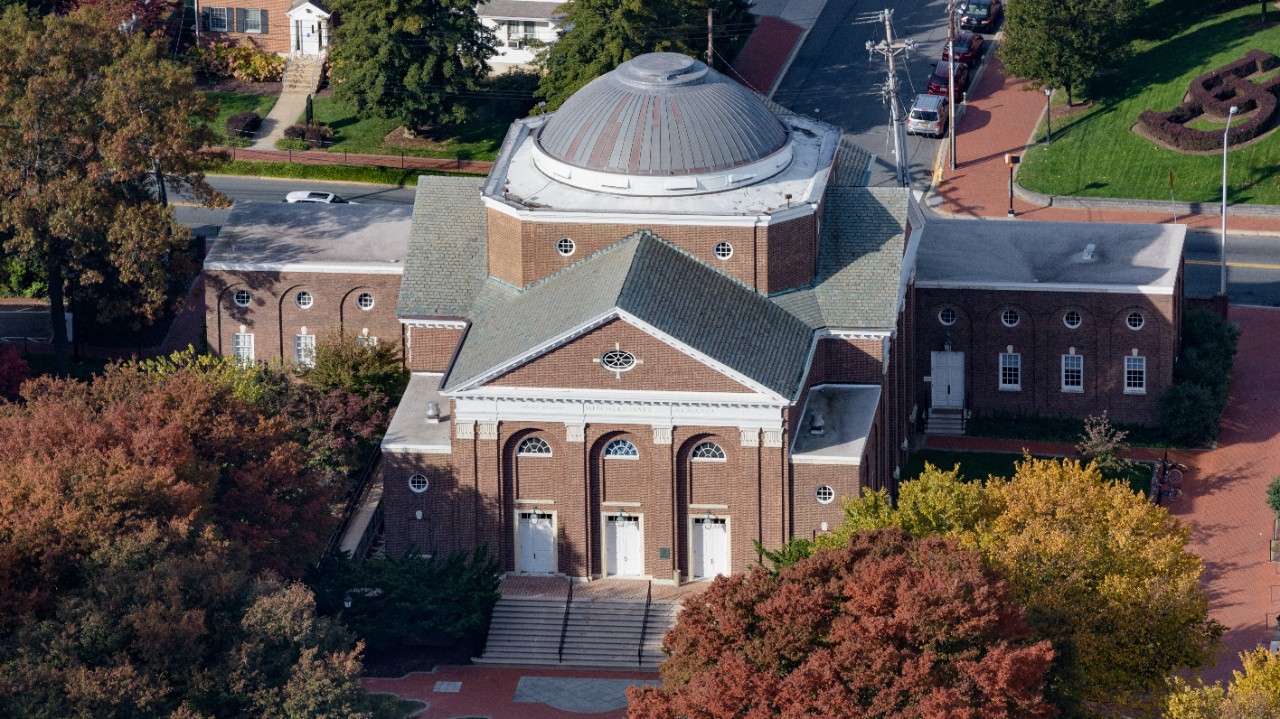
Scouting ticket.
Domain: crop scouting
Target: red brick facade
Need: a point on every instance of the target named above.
(273, 38)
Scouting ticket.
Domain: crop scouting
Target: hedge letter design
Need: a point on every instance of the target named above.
(1214, 93)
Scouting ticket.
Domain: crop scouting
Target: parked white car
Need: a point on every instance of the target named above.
(325, 198)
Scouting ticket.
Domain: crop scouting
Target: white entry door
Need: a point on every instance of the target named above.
(308, 36)
(947, 377)
(710, 546)
(536, 535)
(624, 546)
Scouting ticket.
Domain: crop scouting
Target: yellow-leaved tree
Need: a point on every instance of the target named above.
(1255, 692)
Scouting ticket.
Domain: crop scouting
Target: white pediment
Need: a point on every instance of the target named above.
(307, 11)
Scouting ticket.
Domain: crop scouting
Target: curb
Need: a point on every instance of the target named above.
(1131, 205)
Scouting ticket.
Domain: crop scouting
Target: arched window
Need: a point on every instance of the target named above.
(534, 447)
(707, 452)
(621, 449)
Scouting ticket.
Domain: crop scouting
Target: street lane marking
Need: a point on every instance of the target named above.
(1252, 265)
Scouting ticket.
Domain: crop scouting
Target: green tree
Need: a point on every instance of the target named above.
(1066, 43)
(366, 369)
(602, 34)
(413, 61)
(92, 117)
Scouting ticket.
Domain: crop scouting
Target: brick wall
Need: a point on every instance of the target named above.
(430, 349)
(1041, 337)
(274, 317)
(276, 37)
(809, 512)
(792, 256)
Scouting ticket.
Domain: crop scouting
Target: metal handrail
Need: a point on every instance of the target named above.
(353, 503)
(644, 623)
(564, 626)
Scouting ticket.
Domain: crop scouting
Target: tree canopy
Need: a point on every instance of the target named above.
(599, 35)
(1252, 693)
(1066, 43)
(888, 626)
(413, 61)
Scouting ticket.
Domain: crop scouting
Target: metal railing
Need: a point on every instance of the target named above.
(354, 499)
(644, 623)
(564, 626)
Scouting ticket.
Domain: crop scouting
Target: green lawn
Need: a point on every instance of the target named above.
(1095, 154)
(339, 173)
(477, 140)
(977, 466)
(229, 103)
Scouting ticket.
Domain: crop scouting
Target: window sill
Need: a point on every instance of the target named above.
(1011, 389)
(1135, 391)
(1073, 390)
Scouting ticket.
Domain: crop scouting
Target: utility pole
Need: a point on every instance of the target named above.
(710, 50)
(951, 80)
(890, 49)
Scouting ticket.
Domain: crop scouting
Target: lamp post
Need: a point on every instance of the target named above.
(1012, 162)
(1222, 242)
(951, 81)
(1048, 116)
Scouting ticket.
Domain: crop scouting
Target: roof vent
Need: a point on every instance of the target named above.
(1087, 255)
(433, 412)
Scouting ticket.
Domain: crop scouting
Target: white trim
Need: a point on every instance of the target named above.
(434, 325)
(418, 448)
(317, 10)
(1000, 367)
(643, 219)
(621, 504)
(555, 542)
(604, 544)
(828, 333)
(652, 409)
(728, 545)
(1062, 374)
(709, 506)
(1046, 287)
(811, 459)
(535, 501)
(317, 267)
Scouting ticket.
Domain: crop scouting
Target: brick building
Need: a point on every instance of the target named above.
(672, 323)
(300, 27)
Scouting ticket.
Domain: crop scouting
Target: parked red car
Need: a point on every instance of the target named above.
(969, 48)
(938, 80)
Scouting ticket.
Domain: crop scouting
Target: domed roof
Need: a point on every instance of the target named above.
(662, 114)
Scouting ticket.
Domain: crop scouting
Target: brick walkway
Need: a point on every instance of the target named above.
(765, 53)
(1000, 118)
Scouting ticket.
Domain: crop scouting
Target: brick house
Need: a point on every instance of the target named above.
(672, 323)
(300, 27)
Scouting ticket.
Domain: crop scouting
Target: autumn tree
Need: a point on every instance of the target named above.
(93, 117)
(1252, 693)
(888, 626)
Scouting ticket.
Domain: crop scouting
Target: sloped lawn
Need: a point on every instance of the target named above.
(1096, 154)
(229, 103)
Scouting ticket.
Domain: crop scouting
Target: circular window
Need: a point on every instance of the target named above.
(419, 483)
(242, 298)
(365, 301)
(1010, 318)
(1072, 319)
(565, 246)
(723, 250)
(824, 494)
(947, 316)
(1135, 320)
(303, 299)
(617, 360)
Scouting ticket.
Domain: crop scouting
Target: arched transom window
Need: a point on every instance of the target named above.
(621, 449)
(534, 447)
(707, 452)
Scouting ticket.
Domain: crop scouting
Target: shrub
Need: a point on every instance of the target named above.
(1189, 414)
(1101, 443)
(14, 370)
(243, 124)
(1215, 92)
(285, 143)
(1273, 495)
(343, 363)
(315, 134)
(243, 61)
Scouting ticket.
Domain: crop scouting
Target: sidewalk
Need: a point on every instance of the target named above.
(999, 119)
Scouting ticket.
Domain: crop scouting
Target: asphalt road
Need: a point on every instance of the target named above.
(833, 80)
(1253, 268)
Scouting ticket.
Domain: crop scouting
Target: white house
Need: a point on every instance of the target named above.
(516, 23)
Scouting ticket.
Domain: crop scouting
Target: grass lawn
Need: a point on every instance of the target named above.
(1095, 154)
(229, 103)
(477, 140)
(977, 466)
(340, 173)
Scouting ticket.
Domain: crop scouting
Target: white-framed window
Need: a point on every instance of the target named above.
(364, 301)
(1010, 318)
(1135, 375)
(242, 348)
(1135, 321)
(252, 21)
(1072, 319)
(565, 246)
(534, 447)
(621, 449)
(366, 341)
(824, 494)
(242, 298)
(618, 360)
(707, 452)
(1072, 373)
(947, 316)
(723, 250)
(418, 483)
(1010, 370)
(218, 19)
(304, 350)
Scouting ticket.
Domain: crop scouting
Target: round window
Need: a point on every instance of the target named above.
(1010, 318)
(1135, 320)
(618, 360)
(723, 250)
(364, 301)
(242, 298)
(565, 246)
(947, 316)
(1072, 319)
(303, 299)
(418, 483)
(824, 494)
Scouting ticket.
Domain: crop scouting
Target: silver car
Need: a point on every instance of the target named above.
(928, 116)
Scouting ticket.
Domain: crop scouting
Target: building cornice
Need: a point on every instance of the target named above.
(1154, 290)
(311, 267)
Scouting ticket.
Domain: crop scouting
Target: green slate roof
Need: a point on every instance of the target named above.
(660, 285)
(851, 164)
(448, 262)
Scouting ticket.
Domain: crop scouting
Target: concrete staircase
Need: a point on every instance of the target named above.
(597, 634)
(301, 78)
(302, 74)
(945, 422)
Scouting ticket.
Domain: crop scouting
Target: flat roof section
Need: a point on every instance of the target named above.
(312, 237)
(1030, 255)
(843, 414)
(410, 431)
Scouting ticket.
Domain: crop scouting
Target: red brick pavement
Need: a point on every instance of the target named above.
(765, 52)
(1002, 114)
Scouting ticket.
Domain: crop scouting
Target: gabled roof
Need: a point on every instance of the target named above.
(447, 264)
(658, 284)
(520, 9)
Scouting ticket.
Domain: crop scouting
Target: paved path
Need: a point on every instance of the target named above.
(514, 693)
